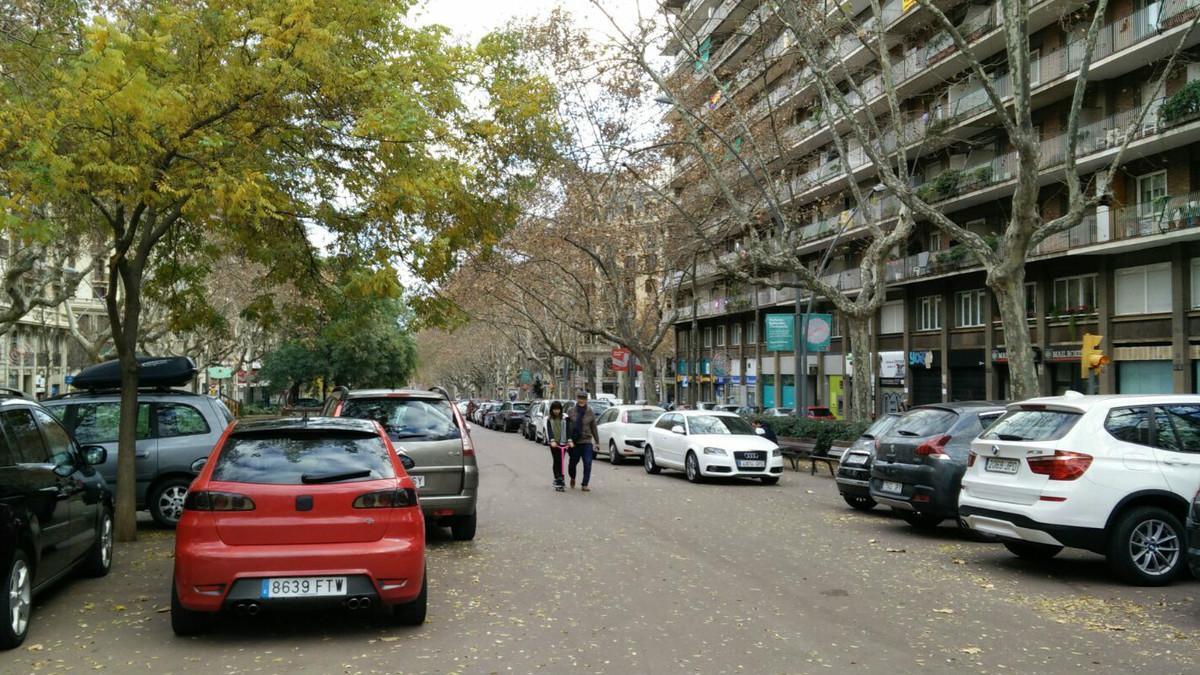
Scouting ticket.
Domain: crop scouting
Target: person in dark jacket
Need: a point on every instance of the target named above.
(582, 432)
(556, 436)
(766, 432)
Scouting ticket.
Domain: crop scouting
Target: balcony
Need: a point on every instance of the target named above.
(1128, 223)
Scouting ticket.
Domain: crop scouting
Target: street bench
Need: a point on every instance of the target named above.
(797, 450)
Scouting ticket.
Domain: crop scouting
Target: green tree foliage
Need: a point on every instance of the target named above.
(250, 121)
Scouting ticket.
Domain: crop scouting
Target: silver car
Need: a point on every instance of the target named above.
(430, 430)
(176, 432)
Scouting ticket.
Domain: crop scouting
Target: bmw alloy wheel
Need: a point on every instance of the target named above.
(20, 596)
(1154, 547)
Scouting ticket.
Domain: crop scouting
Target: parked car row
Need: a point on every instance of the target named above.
(1116, 475)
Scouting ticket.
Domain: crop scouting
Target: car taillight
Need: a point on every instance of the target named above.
(387, 499)
(217, 501)
(1062, 465)
(971, 458)
(468, 445)
(934, 448)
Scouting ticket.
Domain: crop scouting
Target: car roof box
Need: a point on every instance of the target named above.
(153, 371)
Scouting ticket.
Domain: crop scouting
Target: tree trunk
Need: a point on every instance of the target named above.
(649, 379)
(1022, 372)
(125, 517)
(861, 407)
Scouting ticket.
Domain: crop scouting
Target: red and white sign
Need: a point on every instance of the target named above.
(620, 360)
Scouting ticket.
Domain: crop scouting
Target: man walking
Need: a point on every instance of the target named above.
(583, 434)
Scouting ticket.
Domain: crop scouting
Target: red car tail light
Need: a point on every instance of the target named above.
(934, 448)
(468, 444)
(217, 501)
(387, 499)
(971, 459)
(1062, 465)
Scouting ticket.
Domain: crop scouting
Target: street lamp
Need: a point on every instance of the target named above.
(801, 366)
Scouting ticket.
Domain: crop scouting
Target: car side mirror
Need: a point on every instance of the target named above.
(406, 461)
(760, 431)
(678, 429)
(95, 455)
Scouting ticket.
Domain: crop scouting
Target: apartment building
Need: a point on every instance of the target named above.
(1130, 271)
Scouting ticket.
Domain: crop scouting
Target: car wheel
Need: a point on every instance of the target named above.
(691, 467)
(18, 593)
(413, 613)
(614, 457)
(860, 503)
(185, 621)
(769, 480)
(921, 521)
(648, 462)
(1029, 550)
(166, 501)
(463, 527)
(1146, 548)
(99, 558)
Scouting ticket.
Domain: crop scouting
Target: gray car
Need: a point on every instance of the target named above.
(428, 427)
(176, 432)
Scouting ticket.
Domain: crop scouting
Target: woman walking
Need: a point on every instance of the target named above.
(556, 435)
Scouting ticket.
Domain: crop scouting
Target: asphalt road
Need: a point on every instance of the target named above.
(650, 574)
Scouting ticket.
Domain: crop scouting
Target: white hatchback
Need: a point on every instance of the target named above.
(1109, 474)
(706, 443)
(623, 430)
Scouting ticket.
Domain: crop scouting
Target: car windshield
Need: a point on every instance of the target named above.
(720, 424)
(925, 422)
(520, 406)
(408, 419)
(288, 459)
(1032, 425)
(644, 416)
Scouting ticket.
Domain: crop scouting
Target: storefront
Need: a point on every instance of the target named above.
(893, 367)
(968, 379)
(926, 377)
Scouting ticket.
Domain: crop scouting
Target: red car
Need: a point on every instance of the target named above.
(818, 412)
(287, 513)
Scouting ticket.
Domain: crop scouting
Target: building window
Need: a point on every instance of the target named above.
(683, 341)
(720, 336)
(1074, 295)
(968, 308)
(891, 317)
(735, 334)
(1151, 189)
(929, 313)
(935, 240)
(1145, 289)
(750, 332)
(708, 337)
(1031, 299)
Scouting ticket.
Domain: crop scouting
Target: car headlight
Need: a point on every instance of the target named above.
(715, 451)
(777, 453)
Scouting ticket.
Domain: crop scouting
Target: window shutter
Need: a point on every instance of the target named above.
(1130, 287)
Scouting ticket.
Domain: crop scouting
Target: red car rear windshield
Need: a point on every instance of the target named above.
(298, 459)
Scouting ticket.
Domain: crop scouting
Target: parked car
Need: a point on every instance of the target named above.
(706, 405)
(482, 409)
(290, 513)
(1193, 536)
(623, 430)
(748, 410)
(526, 428)
(430, 430)
(537, 418)
(598, 405)
(778, 412)
(818, 412)
(919, 464)
(489, 411)
(706, 443)
(1115, 475)
(854, 469)
(56, 510)
(508, 416)
(176, 432)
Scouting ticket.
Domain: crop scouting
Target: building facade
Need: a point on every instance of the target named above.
(1130, 271)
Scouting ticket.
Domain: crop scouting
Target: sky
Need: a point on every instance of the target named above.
(471, 19)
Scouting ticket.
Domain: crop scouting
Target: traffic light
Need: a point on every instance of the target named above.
(1090, 357)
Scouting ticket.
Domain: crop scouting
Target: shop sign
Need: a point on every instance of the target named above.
(892, 365)
(1000, 354)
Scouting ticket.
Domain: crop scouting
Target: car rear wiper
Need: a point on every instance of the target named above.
(1010, 437)
(309, 479)
(906, 432)
(400, 437)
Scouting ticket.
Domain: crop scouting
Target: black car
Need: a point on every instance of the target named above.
(854, 469)
(919, 464)
(1193, 536)
(55, 511)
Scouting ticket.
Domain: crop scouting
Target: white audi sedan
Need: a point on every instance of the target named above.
(623, 430)
(708, 443)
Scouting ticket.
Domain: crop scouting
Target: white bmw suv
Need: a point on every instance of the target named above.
(1110, 474)
(710, 443)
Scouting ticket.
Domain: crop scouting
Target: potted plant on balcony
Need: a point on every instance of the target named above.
(1182, 105)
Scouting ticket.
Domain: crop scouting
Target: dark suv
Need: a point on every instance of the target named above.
(429, 428)
(919, 464)
(508, 417)
(55, 510)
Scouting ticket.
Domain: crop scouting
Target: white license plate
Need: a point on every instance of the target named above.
(890, 486)
(856, 459)
(752, 463)
(418, 481)
(302, 587)
(1002, 464)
